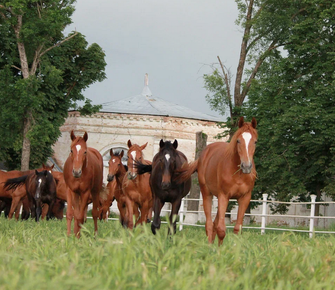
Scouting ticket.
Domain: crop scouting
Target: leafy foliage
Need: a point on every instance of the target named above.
(293, 102)
(65, 69)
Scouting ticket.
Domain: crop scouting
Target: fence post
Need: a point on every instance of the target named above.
(264, 207)
(311, 220)
(181, 214)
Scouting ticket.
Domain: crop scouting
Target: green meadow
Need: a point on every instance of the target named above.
(41, 256)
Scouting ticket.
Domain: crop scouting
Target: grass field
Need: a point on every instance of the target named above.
(41, 256)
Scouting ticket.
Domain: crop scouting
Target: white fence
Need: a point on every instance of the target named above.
(264, 214)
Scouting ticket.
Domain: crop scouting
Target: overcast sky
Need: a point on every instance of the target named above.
(174, 41)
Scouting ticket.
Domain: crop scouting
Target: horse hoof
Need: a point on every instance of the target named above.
(153, 229)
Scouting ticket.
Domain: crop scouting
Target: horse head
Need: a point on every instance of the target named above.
(167, 158)
(114, 164)
(40, 183)
(78, 154)
(245, 140)
(134, 154)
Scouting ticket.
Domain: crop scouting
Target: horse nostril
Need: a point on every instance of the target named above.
(110, 177)
(76, 173)
(166, 185)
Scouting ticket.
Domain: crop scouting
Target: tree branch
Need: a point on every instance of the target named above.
(227, 82)
(58, 44)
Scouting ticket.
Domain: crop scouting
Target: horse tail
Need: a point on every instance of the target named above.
(185, 172)
(14, 183)
(143, 168)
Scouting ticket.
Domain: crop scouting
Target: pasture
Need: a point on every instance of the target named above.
(41, 256)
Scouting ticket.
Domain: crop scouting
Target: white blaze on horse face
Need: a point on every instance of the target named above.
(167, 157)
(133, 155)
(247, 137)
(78, 147)
(113, 160)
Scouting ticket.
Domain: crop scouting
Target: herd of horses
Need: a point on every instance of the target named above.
(140, 188)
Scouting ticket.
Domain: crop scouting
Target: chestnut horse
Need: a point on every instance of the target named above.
(40, 188)
(83, 173)
(13, 197)
(136, 187)
(116, 173)
(163, 186)
(226, 170)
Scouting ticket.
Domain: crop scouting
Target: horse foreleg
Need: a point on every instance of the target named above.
(220, 224)
(17, 211)
(80, 211)
(38, 209)
(45, 210)
(156, 223)
(174, 214)
(144, 213)
(95, 211)
(69, 210)
(207, 203)
(15, 202)
(243, 203)
(50, 208)
(129, 205)
(122, 209)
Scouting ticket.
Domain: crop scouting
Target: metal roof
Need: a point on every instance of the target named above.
(147, 104)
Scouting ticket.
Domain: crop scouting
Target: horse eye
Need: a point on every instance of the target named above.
(71, 151)
(85, 152)
(256, 142)
(238, 141)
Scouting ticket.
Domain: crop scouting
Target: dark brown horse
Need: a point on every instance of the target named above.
(40, 188)
(136, 187)
(83, 173)
(226, 170)
(163, 186)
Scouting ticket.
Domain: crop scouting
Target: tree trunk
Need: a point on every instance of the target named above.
(25, 158)
(193, 205)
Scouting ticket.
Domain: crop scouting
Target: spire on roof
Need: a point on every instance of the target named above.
(146, 91)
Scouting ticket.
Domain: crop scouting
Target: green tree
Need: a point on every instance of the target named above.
(293, 99)
(42, 75)
(266, 25)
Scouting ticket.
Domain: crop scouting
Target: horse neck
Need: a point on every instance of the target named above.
(120, 174)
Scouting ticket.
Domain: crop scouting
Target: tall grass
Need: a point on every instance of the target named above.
(41, 256)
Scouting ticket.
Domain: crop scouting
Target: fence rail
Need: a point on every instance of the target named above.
(264, 209)
(264, 204)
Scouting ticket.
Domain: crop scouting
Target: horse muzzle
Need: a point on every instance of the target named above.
(246, 167)
(166, 185)
(110, 177)
(76, 173)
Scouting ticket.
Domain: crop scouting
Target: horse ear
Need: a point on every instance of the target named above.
(111, 152)
(161, 144)
(254, 122)
(129, 143)
(175, 144)
(241, 122)
(36, 172)
(143, 146)
(85, 137)
(72, 135)
(121, 154)
(43, 165)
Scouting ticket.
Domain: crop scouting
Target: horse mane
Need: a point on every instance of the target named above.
(231, 149)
